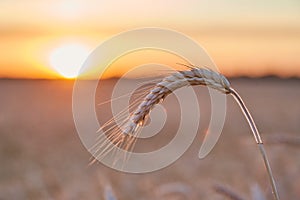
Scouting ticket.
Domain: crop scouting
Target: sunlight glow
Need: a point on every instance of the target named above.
(69, 9)
(68, 59)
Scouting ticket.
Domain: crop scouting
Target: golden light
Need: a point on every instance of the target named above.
(69, 9)
(68, 59)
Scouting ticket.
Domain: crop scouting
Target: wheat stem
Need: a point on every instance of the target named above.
(257, 139)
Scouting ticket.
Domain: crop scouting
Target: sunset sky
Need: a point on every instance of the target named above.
(251, 38)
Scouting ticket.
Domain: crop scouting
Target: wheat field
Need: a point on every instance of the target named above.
(42, 157)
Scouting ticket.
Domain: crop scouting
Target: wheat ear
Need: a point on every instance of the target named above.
(194, 76)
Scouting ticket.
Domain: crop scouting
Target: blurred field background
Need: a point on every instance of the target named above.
(44, 43)
(42, 156)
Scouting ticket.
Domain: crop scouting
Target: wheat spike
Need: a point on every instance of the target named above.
(195, 76)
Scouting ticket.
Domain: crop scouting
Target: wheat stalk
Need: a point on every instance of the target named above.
(227, 192)
(257, 139)
(193, 76)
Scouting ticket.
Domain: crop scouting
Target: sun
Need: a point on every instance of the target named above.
(68, 59)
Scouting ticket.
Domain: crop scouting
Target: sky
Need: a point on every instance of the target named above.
(49, 39)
